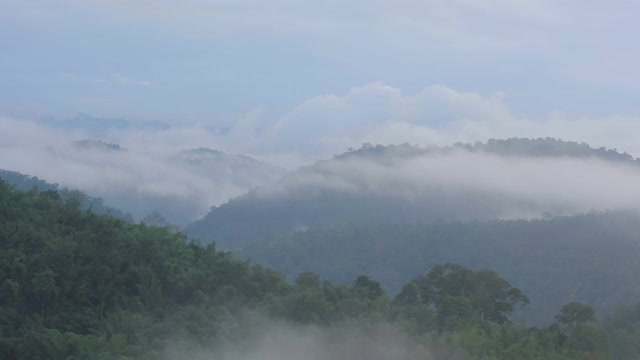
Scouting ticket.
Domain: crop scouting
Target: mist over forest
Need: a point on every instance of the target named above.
(333, 180)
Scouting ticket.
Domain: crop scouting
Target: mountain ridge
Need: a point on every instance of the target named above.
(406, 183)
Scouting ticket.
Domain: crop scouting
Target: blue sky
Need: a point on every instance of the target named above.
(254, 64)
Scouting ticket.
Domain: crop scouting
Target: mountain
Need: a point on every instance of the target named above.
(26, 183)
(242, 170)
(98, 126)
(591, 258)
(88, 144)
(189, 182)
(499, 179)
(180, 184)
(76, 285)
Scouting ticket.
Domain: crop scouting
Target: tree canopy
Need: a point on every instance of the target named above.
(77, 285)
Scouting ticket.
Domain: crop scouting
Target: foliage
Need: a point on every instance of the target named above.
(623, 327)
(77, 285)
(27, 183)
(590, 258)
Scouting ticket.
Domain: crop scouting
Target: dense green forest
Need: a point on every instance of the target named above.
(96, 204)
(78, 285)
(590, 258)
(303, 200)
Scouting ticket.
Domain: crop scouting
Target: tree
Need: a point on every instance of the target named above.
(623, 327)
(574, 314)
(591, 340)
(155, 219)
(368, 288)
(491, 297)
(308, 280)
(44, 286)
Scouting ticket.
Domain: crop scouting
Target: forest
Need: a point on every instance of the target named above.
(519, 178)
(588, 257)
(80, 285)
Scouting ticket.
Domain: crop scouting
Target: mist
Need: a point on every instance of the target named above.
(140, 172)
(153, 172)
(260, 338)
(515, 186)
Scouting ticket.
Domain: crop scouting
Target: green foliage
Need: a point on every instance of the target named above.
(590, 340)
(575, 314)
(27, 183)
(623, 327)
(77, 285)
(591, 258)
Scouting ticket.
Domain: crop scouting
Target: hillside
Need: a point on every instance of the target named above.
(187, 182)
(500, 179)
(26, 183)
(590, 258)
(181, 185)
(99, 126)
(76, 285)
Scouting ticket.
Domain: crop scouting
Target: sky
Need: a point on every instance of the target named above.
(293, 80)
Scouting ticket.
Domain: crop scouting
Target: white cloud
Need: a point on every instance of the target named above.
(438, 115)
(317, 128)
(509, 186)
(150, 175)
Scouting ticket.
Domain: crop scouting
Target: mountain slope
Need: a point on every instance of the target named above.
(182, 185)
(26, 183)
(591, 258)
(513, 178)
(76, 285)
(100, 126)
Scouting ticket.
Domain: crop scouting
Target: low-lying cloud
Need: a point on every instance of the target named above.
(146, 174)
(279, 340)
(153, 165)
(511, 186)
(437, 115)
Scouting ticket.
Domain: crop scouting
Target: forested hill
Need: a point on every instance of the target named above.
(590, 258)
(499, 179)
(547, 147)
(26, 183)
(77, 285)
(181, 184)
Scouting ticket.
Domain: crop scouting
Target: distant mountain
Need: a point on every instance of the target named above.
(180, 186)
(517, 147)
(97, 126)
(25, 183)
(590, 258)
(499, 179)
(88, 144)
(242, 170)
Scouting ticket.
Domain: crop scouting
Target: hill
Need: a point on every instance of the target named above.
(499, 179)
(181, 185)
(590, 258)
(26, 183)
(99, 126)
(77, 285)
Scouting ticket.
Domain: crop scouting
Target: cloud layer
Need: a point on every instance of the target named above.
(277, 340)
(321, 127)
(437, 115)
(508, 186)
(155, 170)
